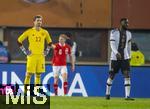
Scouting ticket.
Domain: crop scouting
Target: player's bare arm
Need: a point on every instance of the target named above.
(53, 46)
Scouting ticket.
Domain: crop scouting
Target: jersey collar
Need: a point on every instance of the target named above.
(61, 44)
(35, 29)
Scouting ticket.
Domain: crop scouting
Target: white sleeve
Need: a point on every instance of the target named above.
(73, 51)
(113, 42)
(129, 45)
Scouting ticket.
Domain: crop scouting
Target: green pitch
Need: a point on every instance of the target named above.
(97, 103)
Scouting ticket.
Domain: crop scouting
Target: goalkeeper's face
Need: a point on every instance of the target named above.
(38, 22)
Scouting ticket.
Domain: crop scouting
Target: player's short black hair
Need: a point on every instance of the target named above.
(123, 19)
(37, 16)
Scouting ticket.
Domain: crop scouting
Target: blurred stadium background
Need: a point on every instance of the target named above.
(89, 21)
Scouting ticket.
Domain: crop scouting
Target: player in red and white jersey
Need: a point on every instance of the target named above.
(61, 50)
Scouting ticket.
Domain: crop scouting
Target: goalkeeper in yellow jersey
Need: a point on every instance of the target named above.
(36, 37)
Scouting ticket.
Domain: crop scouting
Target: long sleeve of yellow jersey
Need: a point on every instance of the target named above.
(23, 37)
(48, 37)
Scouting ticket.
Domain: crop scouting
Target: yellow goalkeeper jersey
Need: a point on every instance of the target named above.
(36, 39)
